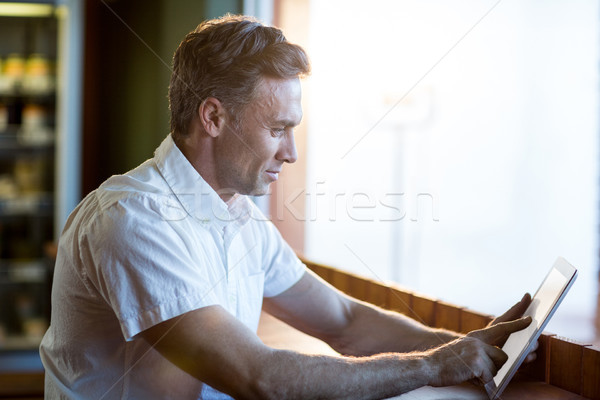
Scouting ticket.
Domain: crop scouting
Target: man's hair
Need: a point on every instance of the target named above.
(226, 58)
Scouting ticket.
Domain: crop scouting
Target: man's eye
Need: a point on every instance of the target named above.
(277, 132)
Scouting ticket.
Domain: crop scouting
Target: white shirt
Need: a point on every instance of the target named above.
(145, 247)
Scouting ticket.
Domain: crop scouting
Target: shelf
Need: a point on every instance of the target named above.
(33, 205)
(18, 342)
(43, 97)
(41, 9)
(12, 146)
(30, 106)
(16, 272)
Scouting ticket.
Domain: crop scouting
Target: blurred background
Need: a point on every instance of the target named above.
(451, 147)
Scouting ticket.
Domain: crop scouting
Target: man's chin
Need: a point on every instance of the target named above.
(258, 190)
(259, 193)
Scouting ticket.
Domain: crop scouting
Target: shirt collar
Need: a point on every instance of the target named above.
(196, 196)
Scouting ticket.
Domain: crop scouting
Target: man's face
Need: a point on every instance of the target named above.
(249, 157)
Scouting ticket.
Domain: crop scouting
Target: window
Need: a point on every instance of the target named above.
(453, 147)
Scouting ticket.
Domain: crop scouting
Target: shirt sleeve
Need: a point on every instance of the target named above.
(282, 266)
(141, 267)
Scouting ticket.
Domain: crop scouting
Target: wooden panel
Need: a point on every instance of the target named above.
(447, 316)
(423, 309)
(400, 300)
(366, 290)
(471, 320)
(533, 391)
(320, 270)
(22, 384)
(377, 293)
(340, 280)
(565, 364)
(40, 397)
(538, 369)
(357, 287)
(590, 371)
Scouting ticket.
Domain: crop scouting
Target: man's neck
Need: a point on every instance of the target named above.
(199, 153)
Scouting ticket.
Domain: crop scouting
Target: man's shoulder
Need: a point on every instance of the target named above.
(143, 179)
(140, 193)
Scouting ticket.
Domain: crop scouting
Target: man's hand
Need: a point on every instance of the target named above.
(513, 313)
(474, 356)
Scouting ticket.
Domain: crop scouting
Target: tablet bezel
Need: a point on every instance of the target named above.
(570, 274)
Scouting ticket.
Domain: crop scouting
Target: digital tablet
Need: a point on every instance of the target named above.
(545, 301)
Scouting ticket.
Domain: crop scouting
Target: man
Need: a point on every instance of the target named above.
(161, 272)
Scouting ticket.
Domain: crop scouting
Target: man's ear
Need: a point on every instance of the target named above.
(212, 116)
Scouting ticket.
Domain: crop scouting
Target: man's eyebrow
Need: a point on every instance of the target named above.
(288, 122)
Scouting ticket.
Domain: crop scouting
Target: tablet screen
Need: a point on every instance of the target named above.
(542, 306)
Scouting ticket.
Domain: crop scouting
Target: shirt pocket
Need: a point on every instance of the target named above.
(250, 289)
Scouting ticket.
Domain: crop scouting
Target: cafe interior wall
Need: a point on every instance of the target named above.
(129, 45)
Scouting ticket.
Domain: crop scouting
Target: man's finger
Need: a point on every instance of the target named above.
(489, 370)
(498, 356)
(498, 333)
(532, 355)
(494, 359)
(515, 311)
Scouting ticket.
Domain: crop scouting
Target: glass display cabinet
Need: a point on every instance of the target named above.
(27, 159)
(39, 146)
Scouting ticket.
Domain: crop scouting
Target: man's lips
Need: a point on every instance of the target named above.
(273, 174)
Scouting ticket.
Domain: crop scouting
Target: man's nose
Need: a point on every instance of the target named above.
(287, 150)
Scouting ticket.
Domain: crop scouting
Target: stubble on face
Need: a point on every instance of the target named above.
(248, 150)
(234, 163)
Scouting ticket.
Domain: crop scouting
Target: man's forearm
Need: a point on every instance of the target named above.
(374, 330)
(285, 374)
(213, 346)
(292, 375)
